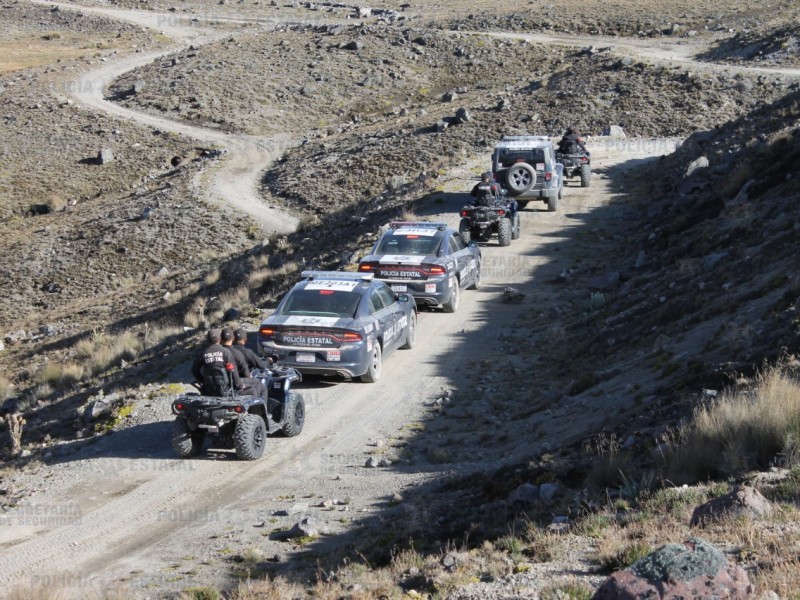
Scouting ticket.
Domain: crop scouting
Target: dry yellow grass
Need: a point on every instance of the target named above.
(740, 431)
(26, 54)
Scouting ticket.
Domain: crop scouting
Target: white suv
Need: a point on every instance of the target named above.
(526, 166)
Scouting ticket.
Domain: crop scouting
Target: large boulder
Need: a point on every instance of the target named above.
(743, 501)
(694, 569)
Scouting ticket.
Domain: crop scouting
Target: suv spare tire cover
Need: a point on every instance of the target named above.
(520, 177)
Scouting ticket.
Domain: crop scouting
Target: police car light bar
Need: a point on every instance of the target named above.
(396, 224)
(339, 275)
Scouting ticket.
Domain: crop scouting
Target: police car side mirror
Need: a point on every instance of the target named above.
(403, 298)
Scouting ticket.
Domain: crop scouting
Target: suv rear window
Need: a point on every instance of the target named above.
(507, 157)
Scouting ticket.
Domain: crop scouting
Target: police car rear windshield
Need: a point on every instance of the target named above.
(322, 303)
(409, 244)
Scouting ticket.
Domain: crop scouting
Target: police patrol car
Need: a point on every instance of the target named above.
(430, 261)
(338, 323)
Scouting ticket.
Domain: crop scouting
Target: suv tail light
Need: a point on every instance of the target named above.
(548, 176)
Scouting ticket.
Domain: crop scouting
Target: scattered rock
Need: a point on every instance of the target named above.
(523, 497)
(105, 156)
(463, 116)
(698, 163)
(512, 295)
(694, 569)
(614, 131)
(744, 501)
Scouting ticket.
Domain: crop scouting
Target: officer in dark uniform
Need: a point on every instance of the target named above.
(487, 191)
(211, 362)
(254, 361)
(571, 141)
(238, 357)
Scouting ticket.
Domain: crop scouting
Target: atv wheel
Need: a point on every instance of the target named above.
(464, 230)
(515, 229)
(552, 204)
(522, 203)
(476, 283)
(295, 415)
(504, 232)
(411, 336)
(186, 442)
(586, 175)
(250, 437)
(374, 371)
(451, 305)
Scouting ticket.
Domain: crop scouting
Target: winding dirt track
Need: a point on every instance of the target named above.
(132, 509)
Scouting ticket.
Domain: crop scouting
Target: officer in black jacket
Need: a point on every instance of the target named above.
(571, 141)
(254, 361)
(212, 358)
(238, 357)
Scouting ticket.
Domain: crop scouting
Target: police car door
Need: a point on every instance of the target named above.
(390, 318)
(383, 315)
(458, 252)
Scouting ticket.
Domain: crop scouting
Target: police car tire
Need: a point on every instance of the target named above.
(374, 371)
(411, 337)
(476, 283)
(295, 415)
(451, 305)
(586, 175)
(185, 442)
(464, 230)
(250, 437)
(504, 232)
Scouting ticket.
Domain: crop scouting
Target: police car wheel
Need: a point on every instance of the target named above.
(374, 370)
(451, 305)
(411, 335)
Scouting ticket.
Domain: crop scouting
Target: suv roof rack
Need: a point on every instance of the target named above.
(340, 275)
(396, 224)
(538, 138)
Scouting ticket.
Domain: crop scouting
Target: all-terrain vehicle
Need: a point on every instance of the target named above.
(492, 215)
(577, 163)
(242, 422)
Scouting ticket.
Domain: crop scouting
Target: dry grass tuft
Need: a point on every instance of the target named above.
(60, 376)
(739, 432)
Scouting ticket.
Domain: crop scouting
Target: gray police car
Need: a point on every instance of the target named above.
(430, 261)
(339, 323)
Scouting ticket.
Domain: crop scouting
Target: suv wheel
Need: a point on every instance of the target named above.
(295, 415)
(504, 232)
(586, 175)
(520, 177)
(552, 204)
(464, 230)
(250, 437)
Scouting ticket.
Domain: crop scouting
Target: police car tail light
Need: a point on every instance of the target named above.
(267, 331)
(352, 336)
(548, 176)
(366, 267)
(435, 269)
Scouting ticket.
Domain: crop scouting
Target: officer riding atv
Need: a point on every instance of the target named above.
(490, 214)
(237, 412)
(572, 153)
